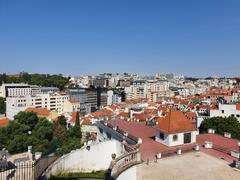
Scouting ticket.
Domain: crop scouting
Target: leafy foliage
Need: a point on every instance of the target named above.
(27, 129)
(37, 79)
(2, 105)
(221, 125)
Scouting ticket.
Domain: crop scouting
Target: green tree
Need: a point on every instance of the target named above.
(2, 105)
(221, 125)
(37, 79)
(45, 136)
(62, 120)
(75, 131)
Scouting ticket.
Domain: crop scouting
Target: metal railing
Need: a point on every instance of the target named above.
(17, 171)
(24, 170)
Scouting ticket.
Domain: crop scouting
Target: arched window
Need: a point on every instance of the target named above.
(175, 137)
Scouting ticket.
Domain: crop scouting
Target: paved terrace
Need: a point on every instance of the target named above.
(189, 166)
(222, 146)
(149, 147)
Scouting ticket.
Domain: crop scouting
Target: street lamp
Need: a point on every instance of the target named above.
(30, 146)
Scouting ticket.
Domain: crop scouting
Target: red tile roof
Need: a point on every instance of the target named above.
(123, 114)
(73, 101)
(191, 115)
(4, 122)
(102, 113)
(175, 122)
(220, 92)
(85, 121)
(74, 116)
(149, 147)
(142, 117)
(238, 107)
(39, 111)
(224, 142)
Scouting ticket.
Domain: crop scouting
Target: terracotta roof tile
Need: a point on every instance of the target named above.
(238, 107)
(142, 117)
(175, 122)
(123, 114)
(4, 122)
(39, 111)
(224, 142)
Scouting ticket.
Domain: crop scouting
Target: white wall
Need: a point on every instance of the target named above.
(229, 110)
(16, 104)
(168, 141)
(83, 160)
(129, 174)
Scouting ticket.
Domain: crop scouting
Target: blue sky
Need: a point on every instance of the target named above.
(190, 37)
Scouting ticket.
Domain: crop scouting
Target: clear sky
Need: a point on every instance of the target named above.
(190, 37)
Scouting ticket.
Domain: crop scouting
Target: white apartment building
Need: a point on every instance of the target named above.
(226, 110)
(10, 90)
(138, 89)
(113, 98)
(151, 89)
(20, 89)
(53, 102)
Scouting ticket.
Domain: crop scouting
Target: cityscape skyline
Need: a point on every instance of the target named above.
(119, 90)
(197, 39)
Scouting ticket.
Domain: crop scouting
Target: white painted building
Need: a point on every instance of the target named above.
(16, 104)
(113, 98)
(71, 106)
(18, 89)
(11, 90)
(226, 110)
(175, 129)
(53, 102)
(151, 89)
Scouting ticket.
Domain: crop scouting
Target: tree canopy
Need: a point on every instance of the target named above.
(221, 125)
(2, 105)
(37, 79)
(27, 129)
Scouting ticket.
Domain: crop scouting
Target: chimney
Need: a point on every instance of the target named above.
(211, 131)
(139, 141)
(227, 135)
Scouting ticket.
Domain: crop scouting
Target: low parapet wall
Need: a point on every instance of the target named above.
(87, 159)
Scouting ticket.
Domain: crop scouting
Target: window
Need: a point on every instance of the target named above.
(161, 135)
(232, 115)
(175, 137)
(222, 111)
(238, 115)
(187, 138)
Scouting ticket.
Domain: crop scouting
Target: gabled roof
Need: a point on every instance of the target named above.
(175, 122)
